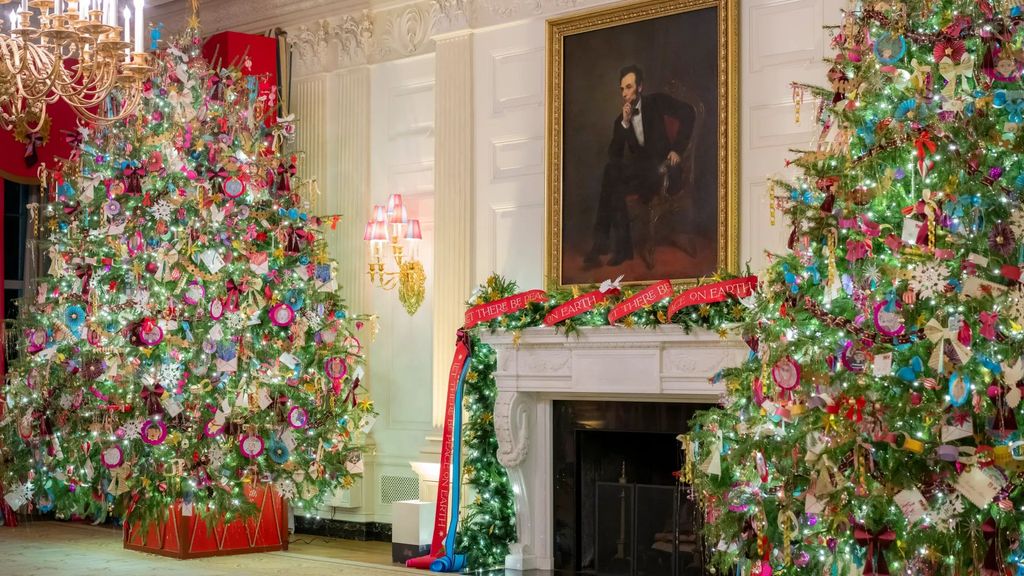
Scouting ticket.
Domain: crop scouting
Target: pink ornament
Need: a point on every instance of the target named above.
(282, 315)
(888, 323)
(915, 398)
(112, 456)
(251, 446)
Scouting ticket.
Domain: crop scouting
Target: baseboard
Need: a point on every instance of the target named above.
(372, 531)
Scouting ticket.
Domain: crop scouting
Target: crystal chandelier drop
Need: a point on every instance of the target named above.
(73, 51)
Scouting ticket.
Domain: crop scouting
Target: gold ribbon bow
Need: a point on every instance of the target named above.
(951, 71)
(939, 335)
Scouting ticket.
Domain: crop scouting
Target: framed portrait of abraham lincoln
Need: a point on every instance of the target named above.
(642, 127)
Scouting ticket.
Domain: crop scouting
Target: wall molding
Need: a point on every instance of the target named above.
(365, 37)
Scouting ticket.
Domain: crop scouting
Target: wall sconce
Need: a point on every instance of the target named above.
(391, 226)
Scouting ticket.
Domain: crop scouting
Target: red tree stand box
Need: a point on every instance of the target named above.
(186, 537)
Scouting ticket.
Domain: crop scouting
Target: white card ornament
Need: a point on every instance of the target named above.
(116, 227)
(977, 259)
(975, 287)
(264, 400)
(912, 503)
(212, 260)
(354, 463)
(812, 505)
(288, 438)
(229, 366)
(259, 263)
(187, 508)
(172, 406)
(289, 360)
(882, 365)
(978, 487)
(367, 422)
(816, 443)
(911, 229)
(951, 432)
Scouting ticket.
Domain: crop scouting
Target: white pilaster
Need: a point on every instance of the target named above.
(453, 178)
(349, 191)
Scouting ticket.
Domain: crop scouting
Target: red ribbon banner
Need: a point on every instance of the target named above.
(444, 484)
(654, 293)
(577, 306)
(740, 287)
(491, 310)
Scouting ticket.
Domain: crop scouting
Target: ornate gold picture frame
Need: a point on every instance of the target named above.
(643, 139)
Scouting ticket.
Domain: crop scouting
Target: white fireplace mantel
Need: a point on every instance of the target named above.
(602, 363)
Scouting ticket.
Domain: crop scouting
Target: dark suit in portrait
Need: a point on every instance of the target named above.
(645, 150)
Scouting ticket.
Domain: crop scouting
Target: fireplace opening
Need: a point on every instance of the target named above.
(618, 508)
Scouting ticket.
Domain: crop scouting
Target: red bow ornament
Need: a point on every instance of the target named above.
(876, 544)
(924, 145)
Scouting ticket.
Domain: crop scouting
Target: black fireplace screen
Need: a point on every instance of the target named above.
(619, 510)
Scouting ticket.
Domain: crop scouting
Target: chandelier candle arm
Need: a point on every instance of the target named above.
(73, 51)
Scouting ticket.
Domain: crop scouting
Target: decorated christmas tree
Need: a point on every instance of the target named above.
(188, 339)
(875, 428)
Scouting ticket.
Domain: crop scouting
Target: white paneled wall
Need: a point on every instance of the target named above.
(782, 41)
(401, 145)
(508, 79)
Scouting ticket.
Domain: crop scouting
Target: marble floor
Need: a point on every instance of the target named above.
(44, 548)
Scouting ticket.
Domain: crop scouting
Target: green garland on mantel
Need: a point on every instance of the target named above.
(487, 526)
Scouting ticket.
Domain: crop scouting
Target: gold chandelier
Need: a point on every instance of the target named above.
(74, 51)
(390, 230)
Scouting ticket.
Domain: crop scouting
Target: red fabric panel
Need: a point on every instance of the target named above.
(228, 48)
(12, 152)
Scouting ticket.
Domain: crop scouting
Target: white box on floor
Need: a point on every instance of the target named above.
(412, 522)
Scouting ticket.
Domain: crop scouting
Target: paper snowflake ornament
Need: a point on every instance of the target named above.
(162, 210)
(286, 488)
(216, 455)
(236, 320)
(133, 427)
(19, 495)
(929, 279)
(312, 319)
(170, 374)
